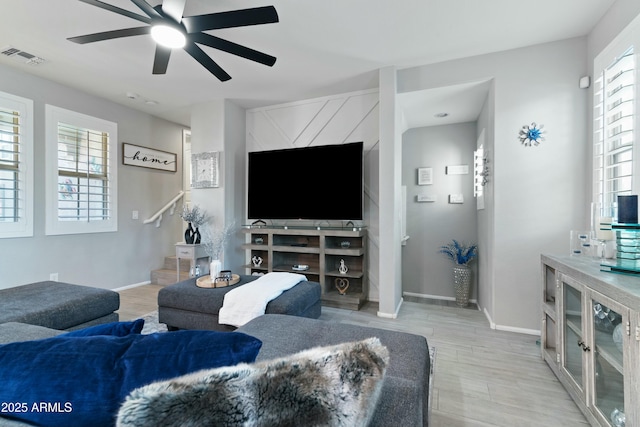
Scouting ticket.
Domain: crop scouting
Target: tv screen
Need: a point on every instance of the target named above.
(313, 183)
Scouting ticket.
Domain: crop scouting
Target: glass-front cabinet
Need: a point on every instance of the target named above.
(572, 334)
(610, 330)
(597, 321)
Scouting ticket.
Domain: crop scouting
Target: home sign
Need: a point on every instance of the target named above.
(135, 155)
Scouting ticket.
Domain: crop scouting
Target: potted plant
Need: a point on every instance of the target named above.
(461, 255)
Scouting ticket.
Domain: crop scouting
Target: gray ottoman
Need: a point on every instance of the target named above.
(186, 306)
(58, 305)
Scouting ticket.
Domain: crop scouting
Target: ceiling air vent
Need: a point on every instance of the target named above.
(22, 56)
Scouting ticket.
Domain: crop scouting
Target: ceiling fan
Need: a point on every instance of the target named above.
(171, 30)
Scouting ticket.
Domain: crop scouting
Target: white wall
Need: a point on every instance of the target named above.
(539, 191)
(339, 119)
(220, 126)
(425, 272)
(107, 260)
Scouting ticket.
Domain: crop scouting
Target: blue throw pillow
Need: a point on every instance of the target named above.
(116, 329)
(82, 381)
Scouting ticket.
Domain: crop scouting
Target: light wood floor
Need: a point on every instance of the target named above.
(483, 377)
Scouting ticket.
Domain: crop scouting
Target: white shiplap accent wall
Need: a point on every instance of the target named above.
(338, 119)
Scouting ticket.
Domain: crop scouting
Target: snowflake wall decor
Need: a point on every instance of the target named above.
(531, 134)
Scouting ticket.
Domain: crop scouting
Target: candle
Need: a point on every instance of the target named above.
(604, 231)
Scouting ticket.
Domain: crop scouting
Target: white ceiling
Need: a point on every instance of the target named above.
(323, 47)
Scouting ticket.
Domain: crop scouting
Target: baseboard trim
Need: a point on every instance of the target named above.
(509, 328)
(135, 285)
(492, 325)
(436, 297)
(517, 330)
(391, 315)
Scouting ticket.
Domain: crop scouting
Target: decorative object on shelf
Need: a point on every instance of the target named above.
(602, 216)
(580, 243)
(197, 218)
(628, 209)
(300, 267)
(618, 419)
(213, 241)
(345, 244)
(461, 255)
(342, 285)
(218, 282)
(135, 155)
(188, 235)
(204, 170)
(425, 176)
(343, 269)
(531, 134)
(257, 261)
(215, 268)
(617, 336)
(605, 319)
(258, 240)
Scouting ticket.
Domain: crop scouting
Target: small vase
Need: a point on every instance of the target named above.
(196, 237)
(462, 284)
(188, 235)
(215, 268)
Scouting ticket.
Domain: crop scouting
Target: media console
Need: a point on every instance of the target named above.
(316, 252)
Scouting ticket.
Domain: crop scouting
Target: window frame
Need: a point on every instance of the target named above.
(53, 225)
(24, 226)
(628, 38)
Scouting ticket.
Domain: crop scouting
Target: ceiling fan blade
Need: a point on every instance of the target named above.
(108, 35)
(161, 60)
(174, 9)
(147, 8)
(208, 63)
(117, 10)
(234, 18)
(233, 48)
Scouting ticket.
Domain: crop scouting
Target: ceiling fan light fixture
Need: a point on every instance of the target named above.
(168, 36)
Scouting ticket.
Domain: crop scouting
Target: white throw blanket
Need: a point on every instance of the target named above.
(249, 301)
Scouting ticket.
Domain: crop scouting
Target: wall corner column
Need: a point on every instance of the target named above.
(390, 196)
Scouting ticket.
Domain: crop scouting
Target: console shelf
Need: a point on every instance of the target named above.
(322, 250)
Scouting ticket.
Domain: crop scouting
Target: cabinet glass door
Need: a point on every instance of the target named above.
(573, 343)
(609, 329)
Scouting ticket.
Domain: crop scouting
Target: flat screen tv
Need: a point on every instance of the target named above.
(312, 183)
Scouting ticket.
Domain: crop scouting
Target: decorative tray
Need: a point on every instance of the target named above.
(206, 282)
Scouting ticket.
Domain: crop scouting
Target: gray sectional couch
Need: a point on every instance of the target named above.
(406, 391)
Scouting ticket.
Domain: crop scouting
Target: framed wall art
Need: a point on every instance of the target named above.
(135, 155)
(425, 176)
(204, 170)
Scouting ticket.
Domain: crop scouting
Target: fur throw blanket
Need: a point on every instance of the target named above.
(325, 386)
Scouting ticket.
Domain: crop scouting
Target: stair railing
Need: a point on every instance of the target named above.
(171, 207)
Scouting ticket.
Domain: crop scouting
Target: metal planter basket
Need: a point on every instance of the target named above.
(462, 284)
